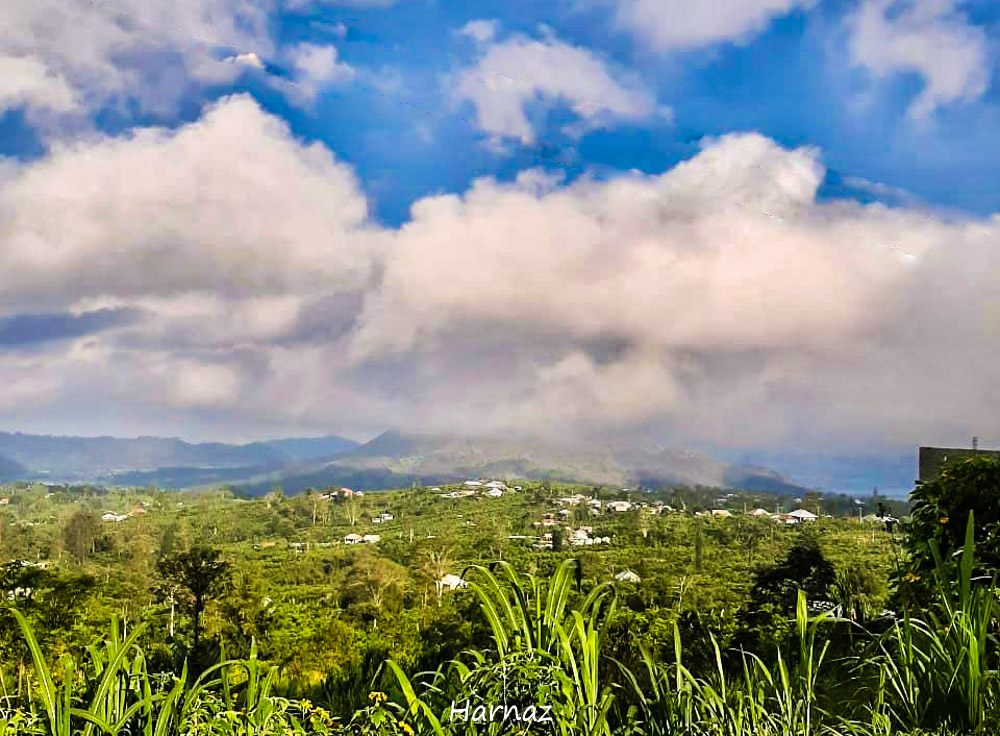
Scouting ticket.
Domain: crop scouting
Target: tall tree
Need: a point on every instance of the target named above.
(191, 579)
(81, 531)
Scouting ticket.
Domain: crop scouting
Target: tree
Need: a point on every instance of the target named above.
(81, 531)
(436, 564)
(557, 539)
(199, 576)
(765, 620)
(940, 514)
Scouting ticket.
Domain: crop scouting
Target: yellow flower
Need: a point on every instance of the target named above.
(378, 697)
(407, 728)
(911, 578)
(944, 519)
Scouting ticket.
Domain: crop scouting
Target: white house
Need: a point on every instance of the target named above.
(472, 483)
(494, 493)
(497, 484)
(619, 505)
(803, 515)
(353, 539)
(721, 512)
(627, 576)
(371, 538)
(451, 582)
(759, 512)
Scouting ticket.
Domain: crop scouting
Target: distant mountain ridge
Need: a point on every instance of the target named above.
(394, 459)
(391, 460)
(103, 459)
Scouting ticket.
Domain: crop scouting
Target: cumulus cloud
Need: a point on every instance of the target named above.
(231, 201)
(930, 37)
(669, 25)
(317, 67)
(72, 56)
(722, 321)
(513, 74)
(722, 300)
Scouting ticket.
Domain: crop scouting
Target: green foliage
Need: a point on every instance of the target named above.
(940, 511)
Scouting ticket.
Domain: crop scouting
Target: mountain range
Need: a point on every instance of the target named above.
(394, 460)
(115, 460)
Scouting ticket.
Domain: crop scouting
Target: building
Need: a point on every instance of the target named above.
(353, 539)
(721, 512)
(627, 576)
(803, 515)
(931, 460)
(451, 582)
(619, 505)
(494, 493)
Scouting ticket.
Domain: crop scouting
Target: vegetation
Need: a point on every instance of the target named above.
(210, 614)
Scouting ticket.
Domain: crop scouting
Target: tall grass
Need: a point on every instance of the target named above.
(119, 696)
(941, 670)
(933, 674)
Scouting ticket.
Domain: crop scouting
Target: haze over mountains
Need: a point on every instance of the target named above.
(116, 460)
(394, 460)
(390, 460)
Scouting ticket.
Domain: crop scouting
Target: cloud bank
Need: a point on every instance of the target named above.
(720, 301)
(513, 75)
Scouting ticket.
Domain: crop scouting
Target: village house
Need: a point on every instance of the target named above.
(803, 515)
(627, 576)
(451, 582)
(619, 506)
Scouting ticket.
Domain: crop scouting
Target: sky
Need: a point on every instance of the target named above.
(746, 225)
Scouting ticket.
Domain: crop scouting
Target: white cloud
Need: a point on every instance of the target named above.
(230, 200)
(64, 55)
(265, 298)
(930, 37)
(250, 59)
(670, 25)
(201, 384)
(676, 299)
(514, 73)
(27, 81)
(480, 31)
(317, 67)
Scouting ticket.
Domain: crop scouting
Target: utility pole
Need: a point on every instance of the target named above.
(975, 446)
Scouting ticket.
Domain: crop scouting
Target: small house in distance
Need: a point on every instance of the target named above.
(451, 582)
(627, 576)
(803, 515)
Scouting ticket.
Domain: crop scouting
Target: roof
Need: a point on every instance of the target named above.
(628, 576)
(803, 514)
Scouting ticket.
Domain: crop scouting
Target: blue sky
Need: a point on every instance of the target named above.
(284, 194)
(794, 81)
